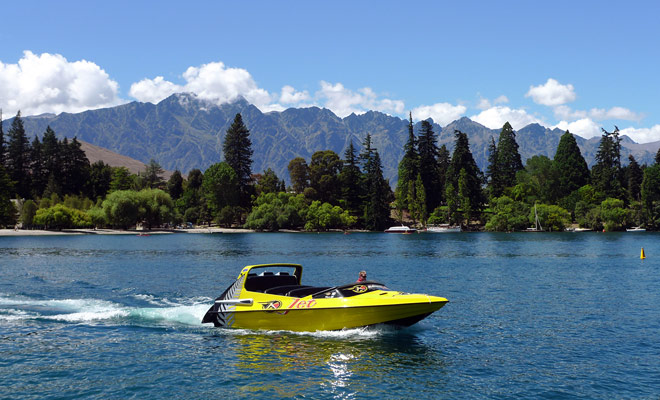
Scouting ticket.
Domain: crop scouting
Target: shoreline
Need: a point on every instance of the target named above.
(41, 232)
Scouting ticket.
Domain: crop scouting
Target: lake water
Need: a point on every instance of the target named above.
(537, 315)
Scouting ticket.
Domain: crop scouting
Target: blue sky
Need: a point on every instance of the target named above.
(576, 65)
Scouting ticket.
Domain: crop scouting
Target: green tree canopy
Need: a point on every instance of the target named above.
(606, 174)
(429, 168)
(18, 157)
(508, 160)
(572, 169)
(220, 187)
(408, 166)
(237, 150)
(299, 174)
(175, 185)
(324, 172)
(462, 159)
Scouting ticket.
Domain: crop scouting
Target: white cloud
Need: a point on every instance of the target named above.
(290, 96)
(343, 101)
(552, 93)
(50, 83)
(584, 127)
(496, 117)
(486, 103)
(614, 113)
(153, 90)
(212, 81)
(442, 113)
(643, 135)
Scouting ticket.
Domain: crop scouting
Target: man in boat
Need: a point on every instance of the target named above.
(362, 276)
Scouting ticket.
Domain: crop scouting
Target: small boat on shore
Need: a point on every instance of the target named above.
(271, 297)
(537, 224)
(636, 229)
(400, 229)
(443, 228)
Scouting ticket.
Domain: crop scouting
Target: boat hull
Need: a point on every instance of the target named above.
(320, 319)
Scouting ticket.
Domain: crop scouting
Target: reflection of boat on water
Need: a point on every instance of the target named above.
(636, 229)
(443, 228)
(271, 297)
(400, 229)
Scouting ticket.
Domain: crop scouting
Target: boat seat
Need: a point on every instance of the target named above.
(261, 283)
(281, 290)
(306, 291)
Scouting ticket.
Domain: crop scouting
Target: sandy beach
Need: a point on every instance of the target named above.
(37, 232)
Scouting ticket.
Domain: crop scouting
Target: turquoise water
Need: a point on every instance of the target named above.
(574, 315)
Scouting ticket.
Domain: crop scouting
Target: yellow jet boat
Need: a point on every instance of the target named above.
(271, 297)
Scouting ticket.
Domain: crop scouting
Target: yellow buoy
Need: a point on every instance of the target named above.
(642, 256)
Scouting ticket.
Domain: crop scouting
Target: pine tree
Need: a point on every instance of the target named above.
(38, 168)
(508, 159)
(495, 187)
(408, 166)
(462, 159)
(378, 193)
(428, 165)
(571, 167)
(634, 177)
(444, 159)
(75, 167)
(175, 185)
(7, 209)
(18, 162)
(606, 174)
(657, 157)
(2, 142)
(237, 149)
(349, 177)
(153, 175)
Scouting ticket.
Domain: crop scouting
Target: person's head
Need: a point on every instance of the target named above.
(363, 275)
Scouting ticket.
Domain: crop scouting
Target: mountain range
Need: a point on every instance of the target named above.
(184, 132)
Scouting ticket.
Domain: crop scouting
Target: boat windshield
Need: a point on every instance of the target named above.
(350, 290)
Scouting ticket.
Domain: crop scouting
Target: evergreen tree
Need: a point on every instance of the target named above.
(237, 149)
(18, 161)
(429, 168)
(2, 142)
(508, 159)
(634, 177)
(7, 209)
(100, 177)
(444, 159)
(51, 153)
(349, 177)
(495, 187)
(657, 157)
(153, 175)
(121, 179)
(408, 166)
(650, 192)
(38, 168)
(378, 193)
(572, 169)
(299, 174)
(606, 174)
(75, 167)
(462, 159)
(175, 185)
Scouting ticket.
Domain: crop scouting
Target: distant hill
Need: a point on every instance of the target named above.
(183, 132)
(96, 153)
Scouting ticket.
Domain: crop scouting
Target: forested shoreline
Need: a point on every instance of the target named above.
(49, 183)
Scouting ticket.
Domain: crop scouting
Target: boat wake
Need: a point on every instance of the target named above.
(94, 311)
